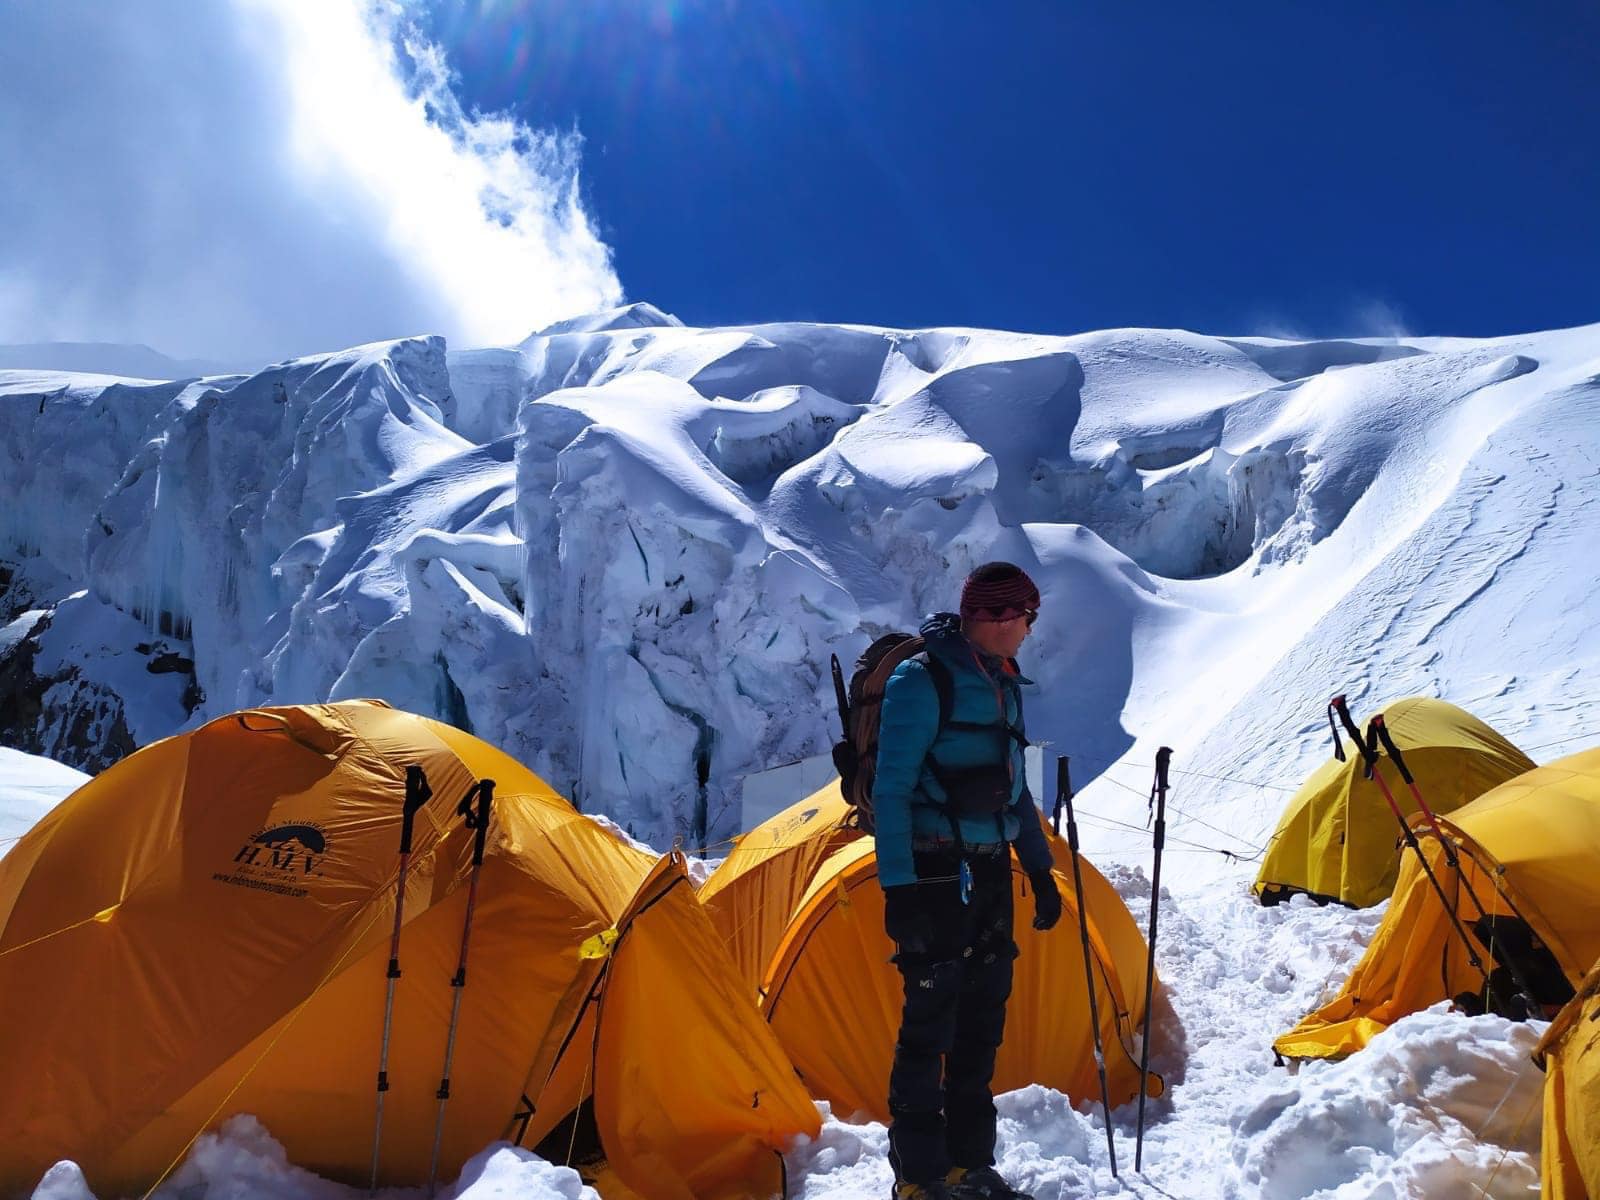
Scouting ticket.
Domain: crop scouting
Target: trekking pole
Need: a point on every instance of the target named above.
(418, 793)
(1367, 748)
(1158, 798)
(477, 819)
(1064, 796)
(842, 695)
(1379, 728)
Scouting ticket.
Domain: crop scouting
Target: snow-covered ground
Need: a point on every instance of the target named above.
(30, 787)
(624, 549)
(1439, 1106)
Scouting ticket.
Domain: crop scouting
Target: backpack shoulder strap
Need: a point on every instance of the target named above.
(944, 687)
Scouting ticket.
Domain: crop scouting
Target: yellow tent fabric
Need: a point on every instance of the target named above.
(756, 890)
(1338, 839)
(1529, 849)
(833, 997)
(1570, 1055)
(204, 930)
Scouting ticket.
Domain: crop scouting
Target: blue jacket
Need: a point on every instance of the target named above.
(906, 797)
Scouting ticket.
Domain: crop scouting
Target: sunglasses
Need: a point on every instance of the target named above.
(1001, 616)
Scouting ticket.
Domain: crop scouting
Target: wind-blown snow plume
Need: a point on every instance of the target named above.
(264, 177)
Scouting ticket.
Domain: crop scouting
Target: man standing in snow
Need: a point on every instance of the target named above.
(949, 800)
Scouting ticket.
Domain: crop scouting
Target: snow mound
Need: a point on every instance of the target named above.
(1423, 1111)
(30, 786)
(242, 1161)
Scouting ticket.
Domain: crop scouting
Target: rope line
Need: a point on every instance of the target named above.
(45, 937)
(1563, 741)
(1527, 1111)
(1259, 850)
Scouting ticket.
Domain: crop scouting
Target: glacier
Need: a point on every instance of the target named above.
(624, 549)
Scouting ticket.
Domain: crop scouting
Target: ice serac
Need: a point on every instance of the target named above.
(241, 474)
(64, 441)
(679, 640)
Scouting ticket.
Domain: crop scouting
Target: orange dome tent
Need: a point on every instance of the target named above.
(1569, 1052)
(799, 899)
(204, 930)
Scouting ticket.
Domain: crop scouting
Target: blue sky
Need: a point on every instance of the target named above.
(1249, 167)
(242, 181)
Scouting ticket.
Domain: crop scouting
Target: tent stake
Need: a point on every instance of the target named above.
(1158, 797)
(477, 819)
(1064, 797)
(418, 793)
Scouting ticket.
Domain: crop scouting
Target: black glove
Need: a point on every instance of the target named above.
(1046, 899)
(906, 919)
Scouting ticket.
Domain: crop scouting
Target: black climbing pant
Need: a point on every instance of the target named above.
(956, 969)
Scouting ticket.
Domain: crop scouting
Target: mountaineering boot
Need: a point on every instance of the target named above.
(981, 1183)
(920, 1191)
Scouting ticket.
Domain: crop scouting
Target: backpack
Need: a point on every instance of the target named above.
(856, 754)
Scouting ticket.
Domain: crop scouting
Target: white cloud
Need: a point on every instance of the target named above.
(266, 177)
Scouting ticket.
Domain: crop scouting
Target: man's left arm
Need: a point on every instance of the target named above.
(1033, 851)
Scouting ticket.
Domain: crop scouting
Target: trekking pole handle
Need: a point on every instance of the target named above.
(1159, 788)
(1064, 797)
(841, 695)
(1368, 754)
(1378, 729)
(477, 816)
(1333, 728)
(418, 793)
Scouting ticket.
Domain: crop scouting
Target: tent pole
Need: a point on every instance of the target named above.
(1064, 797)
(477, 819)
(1367, 748)
(417, 794)
(1378, 728)
(1158, 797)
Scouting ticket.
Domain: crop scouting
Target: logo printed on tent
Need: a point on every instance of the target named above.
(794, 823)
(278, 859)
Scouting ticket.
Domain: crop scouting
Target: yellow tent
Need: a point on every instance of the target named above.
(205, 928)
(800, 897)
(1530, 852)
(756, 890)
(1570, 1055)
(1338, 838)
